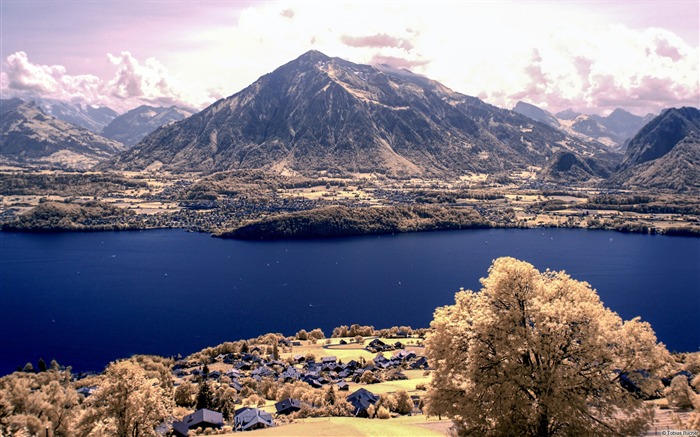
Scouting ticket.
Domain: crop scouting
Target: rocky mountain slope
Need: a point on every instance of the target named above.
(30, 136)
(132, 126)
(665, 153)
(320, 114)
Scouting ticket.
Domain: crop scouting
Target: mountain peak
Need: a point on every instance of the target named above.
(313, 56)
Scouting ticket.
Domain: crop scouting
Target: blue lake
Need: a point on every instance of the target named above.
(88, 298)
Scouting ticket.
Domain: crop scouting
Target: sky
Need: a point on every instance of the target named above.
(590, 56)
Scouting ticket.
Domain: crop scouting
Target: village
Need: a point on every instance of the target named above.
(275, 381)
(312, 385)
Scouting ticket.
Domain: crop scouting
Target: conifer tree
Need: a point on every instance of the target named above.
(205, 397)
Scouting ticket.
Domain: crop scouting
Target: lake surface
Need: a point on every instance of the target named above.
(88, 298)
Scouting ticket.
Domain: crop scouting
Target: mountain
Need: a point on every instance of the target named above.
(30, 136)
(90, 117)
(665, 153)
(130, 127)
(612, 130)
(317, 114)
(9, 104)
(568, 167)
(624, 124)
(537, 114)
(660, 135)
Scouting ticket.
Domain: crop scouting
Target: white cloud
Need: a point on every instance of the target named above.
(133, 83)
(556, 55)
(477, 48)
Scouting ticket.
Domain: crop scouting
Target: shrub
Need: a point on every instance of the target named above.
(383, 413)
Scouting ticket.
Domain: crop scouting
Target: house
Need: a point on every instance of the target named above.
(247, 419)
(379, 359)
(343, 386)
(199, 419)
(376, 345)
(86, 391)
(288, 406)
(329, 360)
(312, 381)
(420, 363)
(361, 400)
(404, 355)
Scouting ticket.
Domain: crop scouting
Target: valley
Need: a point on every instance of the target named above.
(221, 202)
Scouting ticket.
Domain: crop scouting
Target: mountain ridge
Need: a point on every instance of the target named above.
(30, 136)
(132, 126)
(318, 113)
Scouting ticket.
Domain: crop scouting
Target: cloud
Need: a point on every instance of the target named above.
(396, 62)
(133, 83)
(22, 75)
(378, 40)
(549, 53)
(666, 49)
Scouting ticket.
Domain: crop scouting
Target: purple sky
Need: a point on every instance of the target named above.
(591, 56)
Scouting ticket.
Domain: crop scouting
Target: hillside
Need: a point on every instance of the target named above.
(319, 114)
(677, 170)
(132, 126)
(343, 221)
(570, 168)
(661, 135)
(30, 136)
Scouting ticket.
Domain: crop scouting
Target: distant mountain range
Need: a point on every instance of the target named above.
(90, 117)
(30, 136)
(613, 130)
(132, 126)
(321, 114)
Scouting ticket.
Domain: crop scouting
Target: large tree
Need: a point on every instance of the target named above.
(536, 353)
(128, 403)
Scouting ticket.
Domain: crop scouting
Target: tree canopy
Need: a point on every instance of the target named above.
(536, 353)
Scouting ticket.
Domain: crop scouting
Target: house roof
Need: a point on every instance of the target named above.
(203, 416)
(180, 429)
(362, 399)
(245, 418)
(287, 404)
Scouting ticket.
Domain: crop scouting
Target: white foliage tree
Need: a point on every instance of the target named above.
(128, 403)
(536, 353)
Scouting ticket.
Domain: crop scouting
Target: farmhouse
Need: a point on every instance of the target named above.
(199, 419)
(361, 400)
(247, 419)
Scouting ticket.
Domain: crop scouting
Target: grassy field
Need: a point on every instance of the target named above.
(408, 426)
